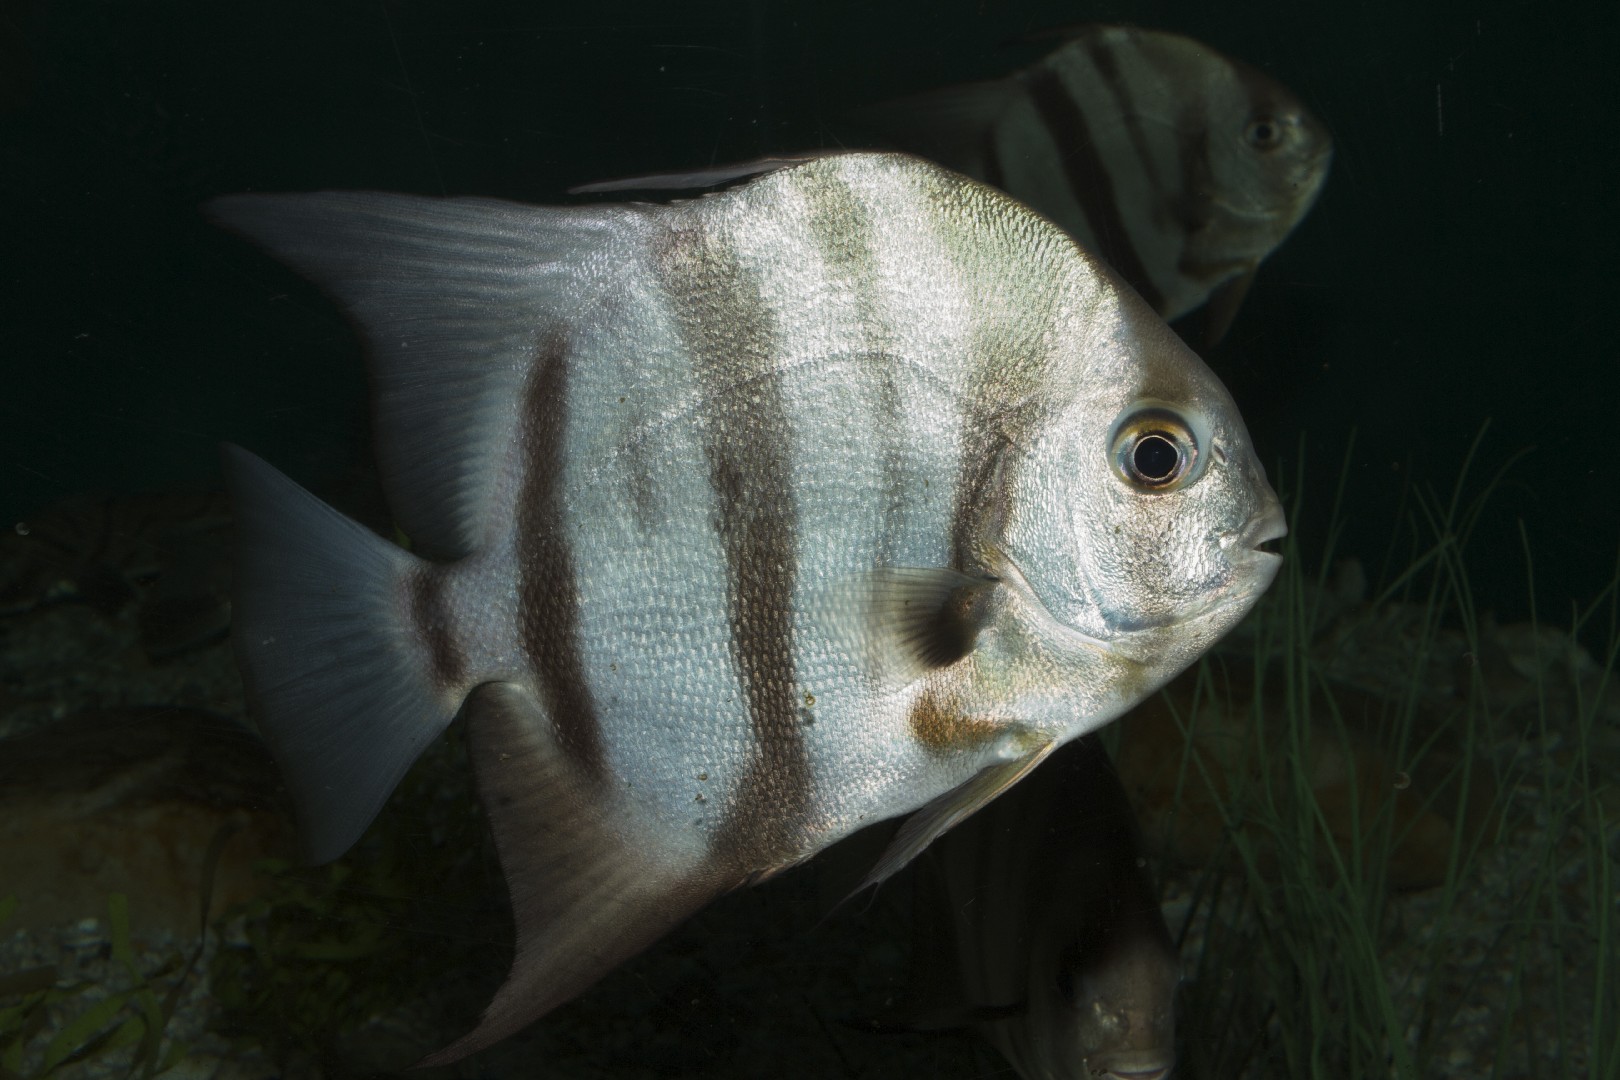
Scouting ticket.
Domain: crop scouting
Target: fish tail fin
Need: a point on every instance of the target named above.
(323, 632)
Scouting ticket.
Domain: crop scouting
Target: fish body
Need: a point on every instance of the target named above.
(1052, 932)
(1181, 167)
(737, 524)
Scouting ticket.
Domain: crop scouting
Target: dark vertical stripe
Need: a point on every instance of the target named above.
(430, 614)
(841, 229)
(730, 336)
(1106, 61)
(548, 589)
(1089, 178)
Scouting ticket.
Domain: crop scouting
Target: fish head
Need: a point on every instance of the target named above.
(1139, 517)
(1267, 154)
(1120, 1000)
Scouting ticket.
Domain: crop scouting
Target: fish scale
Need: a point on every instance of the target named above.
(743, 522)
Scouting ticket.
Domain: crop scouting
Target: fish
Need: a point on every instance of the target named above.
(1182, 167)
(1040, 912)
(736, 524)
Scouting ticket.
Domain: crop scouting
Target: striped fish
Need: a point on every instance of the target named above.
(1181, 167)
(1051, 930)
(737, 524)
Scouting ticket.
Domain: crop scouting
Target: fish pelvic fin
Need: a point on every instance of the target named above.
(957, 805)
(348, 695)
(1224, 304)
(586, 894)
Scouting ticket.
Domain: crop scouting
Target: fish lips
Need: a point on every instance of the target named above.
(1131, 1064)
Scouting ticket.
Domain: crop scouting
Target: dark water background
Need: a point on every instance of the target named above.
(1461, 264)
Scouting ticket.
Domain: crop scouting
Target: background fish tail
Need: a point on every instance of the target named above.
(323, 636)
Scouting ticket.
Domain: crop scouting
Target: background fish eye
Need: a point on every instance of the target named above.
(1154, 450)
(1263, 132)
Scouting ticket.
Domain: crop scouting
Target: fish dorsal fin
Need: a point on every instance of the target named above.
(455, 299)
(586, 895)
(901, 622)
(1021, 753)
(948, 125)
(695, 179)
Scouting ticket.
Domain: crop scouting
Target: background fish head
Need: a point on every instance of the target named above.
(1122, 1011)
(1139, 516)
(1267, 156)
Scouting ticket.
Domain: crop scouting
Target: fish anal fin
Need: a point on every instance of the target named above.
(955, 806)
(584, 899)
(900, 623)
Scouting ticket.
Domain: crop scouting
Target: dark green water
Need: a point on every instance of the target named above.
(1459, 266)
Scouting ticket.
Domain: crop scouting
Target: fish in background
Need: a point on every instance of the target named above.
(1037, 924)
(1181, 167)
(737, 524)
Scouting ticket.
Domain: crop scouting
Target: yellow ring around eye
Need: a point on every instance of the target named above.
(1154, 450)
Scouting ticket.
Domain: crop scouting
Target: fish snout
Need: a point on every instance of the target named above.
(1265, 528)
(1257, 537)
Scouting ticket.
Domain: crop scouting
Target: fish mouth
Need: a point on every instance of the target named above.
(1263, 534)
(1131, 1065)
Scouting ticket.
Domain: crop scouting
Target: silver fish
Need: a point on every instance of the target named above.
(1181, 167)
(738, 524)
(1052, 930)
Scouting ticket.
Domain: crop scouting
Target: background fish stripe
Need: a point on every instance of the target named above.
(727, 328)
(1106, 56)
(548, 587)
(1089, 177)
(1135, 79)
(1193, 123)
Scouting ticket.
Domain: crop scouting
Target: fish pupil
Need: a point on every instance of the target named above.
(1155, 458)
(1263, 133)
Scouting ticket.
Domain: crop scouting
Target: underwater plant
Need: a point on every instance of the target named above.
(1304, 958)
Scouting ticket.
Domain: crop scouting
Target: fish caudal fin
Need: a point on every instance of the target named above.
(321, 629)
(585, 896)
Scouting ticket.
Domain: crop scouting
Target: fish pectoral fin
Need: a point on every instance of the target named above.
(585, 898)
(900, 622)
(1223, 305)
(950, 809)
(713, 176)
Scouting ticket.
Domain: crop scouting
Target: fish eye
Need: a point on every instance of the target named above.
(1154, 450)
(1263, 132)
